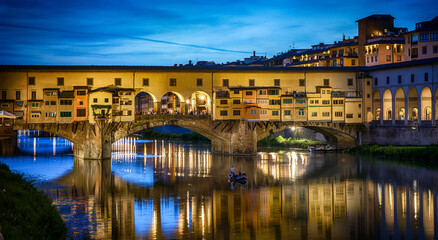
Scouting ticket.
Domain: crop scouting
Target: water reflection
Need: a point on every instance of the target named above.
(155, 189)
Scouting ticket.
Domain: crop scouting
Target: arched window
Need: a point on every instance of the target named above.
(401, 113)
(378, 114)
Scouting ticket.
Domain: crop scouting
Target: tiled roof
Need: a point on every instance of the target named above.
(377, 16)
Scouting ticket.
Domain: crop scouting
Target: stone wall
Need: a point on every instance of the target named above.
(391, 135)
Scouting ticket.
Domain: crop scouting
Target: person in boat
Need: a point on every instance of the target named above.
(232, 174)
(244, 174)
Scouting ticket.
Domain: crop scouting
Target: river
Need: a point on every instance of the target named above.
(154, 189)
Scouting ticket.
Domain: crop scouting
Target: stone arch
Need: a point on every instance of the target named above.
(387, 105)
(376, 105)
(399, 111)
(426, 104)
(412, 104)
(199, 102)
(172, 102)
(145, 103)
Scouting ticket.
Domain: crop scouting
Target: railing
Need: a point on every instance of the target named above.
(166, 117)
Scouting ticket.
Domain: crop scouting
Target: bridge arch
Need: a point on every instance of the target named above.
(387, 105)
(426, 104)
(376, 105)
(145, 102)
(412, 104)
(199, 102)
(399, 111)
(172, 102)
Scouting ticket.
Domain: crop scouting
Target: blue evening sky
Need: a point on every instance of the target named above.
(165, 32)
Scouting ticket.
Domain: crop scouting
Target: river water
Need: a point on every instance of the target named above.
(154, 189)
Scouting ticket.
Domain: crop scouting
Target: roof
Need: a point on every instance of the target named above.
(377, 17)
(66, 94)
(382, 40)
(252, 87)
(81, 87)
(426, 26)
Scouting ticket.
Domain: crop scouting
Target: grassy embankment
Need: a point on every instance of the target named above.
(25, 212)
(289, 142)
(412, 155)
(151, 134)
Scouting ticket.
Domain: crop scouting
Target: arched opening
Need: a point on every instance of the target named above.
(378, 110)
(144, 103)
(199, 103)
(172, 103)
(413, 104)
(387, 105)
(40, 142)
(376, 105)
(426, 104)
(400, 104)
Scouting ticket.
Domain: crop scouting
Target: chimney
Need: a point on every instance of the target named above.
(254, 53)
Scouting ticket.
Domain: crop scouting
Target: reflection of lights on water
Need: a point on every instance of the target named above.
(283, 166)
(403, 199)
(391, 200)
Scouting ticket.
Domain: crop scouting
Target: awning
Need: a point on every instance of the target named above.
(4, 114)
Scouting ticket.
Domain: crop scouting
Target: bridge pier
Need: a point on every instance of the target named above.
(94, 141)
(242, 140)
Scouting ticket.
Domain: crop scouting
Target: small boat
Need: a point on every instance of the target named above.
(238, 179)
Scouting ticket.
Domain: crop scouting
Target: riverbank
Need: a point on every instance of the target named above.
(25, 212)
(416, 155)
(289, 142)
(151, 134)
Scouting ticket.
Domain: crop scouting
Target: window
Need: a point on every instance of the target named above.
(424, 50)
(435, 48)
(248, 93)
(17, 95)
(353, 62)
(253, 112)
(224, 102)
(287, 101)
(263, 111)
(433, 36)
(338, 102)
(199, 82)
(81, 103)
(414, 39)
(236, 101)
(326, 82)
(424, 37)
(426, 76)
(314, 114)
(302, 82)
(412, 78)
(115, 100)
(4, 94)
(106, 100)
(301, 112)
(388, 58)
(65, 114)
(117, 81)
(274, 113)
(60, 81)
(35, 104)
(349, 115)
(368, 59)
(398, 58)
(286, 112)
(359, 105)
(399, 79)
(33, 96)
(65, 102)
(326, 114)
(47, 102)
(375, 58)
(172, 82)
(145, 82)
(251, 82)
(274, 102)
(368, 95)
(52, 102)
(90, 81)
(316, 101)
(350, 81)
(262, 101)
(387, 80)
(81, 93)
(359, 115)
(338, 114)
(273, 92)
(276, 82)
(325, 101)
(94, 100)
(368, 83)
(236, 92)
(31, 80)
(262, 92)
(300, 101)
(225, 82)
(81, 112)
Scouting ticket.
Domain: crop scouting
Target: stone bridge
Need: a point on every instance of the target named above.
(93, 141)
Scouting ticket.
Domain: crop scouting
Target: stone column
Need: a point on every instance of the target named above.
(419, 109)
(393, 108)
(157, 107)
(381, 108)
(406, 108)
(93, 141)
(433, 108)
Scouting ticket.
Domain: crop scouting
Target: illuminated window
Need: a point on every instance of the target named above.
(90, 81)
(172, 82)
(117, 81)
